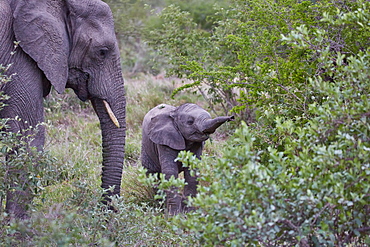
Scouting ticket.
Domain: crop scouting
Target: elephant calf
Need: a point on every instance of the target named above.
(166, 131)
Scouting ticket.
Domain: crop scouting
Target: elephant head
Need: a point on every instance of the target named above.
(184, 125)
(69, 44)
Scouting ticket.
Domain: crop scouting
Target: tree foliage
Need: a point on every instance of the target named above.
(298, 182)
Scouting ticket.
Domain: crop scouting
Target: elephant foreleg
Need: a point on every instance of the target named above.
(192, 183)
(170, 169)
(190, 188)
(25, 110)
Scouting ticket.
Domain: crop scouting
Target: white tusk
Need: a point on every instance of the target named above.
(111, 114)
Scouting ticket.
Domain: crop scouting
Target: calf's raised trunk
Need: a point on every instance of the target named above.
(210, 125)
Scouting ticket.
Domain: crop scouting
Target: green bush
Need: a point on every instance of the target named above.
(298, 182)
(204, 13)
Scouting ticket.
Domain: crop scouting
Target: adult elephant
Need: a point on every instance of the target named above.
(63, 44)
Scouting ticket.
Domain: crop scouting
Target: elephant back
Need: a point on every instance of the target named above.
(162, 109)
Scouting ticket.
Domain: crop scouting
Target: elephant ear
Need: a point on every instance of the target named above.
(39, 26)
(163, 131)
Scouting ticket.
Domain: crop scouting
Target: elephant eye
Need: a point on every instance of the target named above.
(103, 52)
(190, 121)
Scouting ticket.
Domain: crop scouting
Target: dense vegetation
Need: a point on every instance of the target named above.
(296, 170)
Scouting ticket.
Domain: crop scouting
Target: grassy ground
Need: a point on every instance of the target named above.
(68, 212)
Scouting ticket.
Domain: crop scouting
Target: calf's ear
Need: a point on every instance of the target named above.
(162, 131)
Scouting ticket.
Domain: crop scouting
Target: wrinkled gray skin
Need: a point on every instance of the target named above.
(63, 43)
(166, 131)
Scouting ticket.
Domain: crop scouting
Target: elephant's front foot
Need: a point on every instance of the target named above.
(173, 203)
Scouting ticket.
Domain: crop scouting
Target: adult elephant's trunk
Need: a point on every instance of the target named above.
(112, 122)
(210, 125)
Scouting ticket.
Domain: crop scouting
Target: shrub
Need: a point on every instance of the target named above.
(298, 182)
(204, 13)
